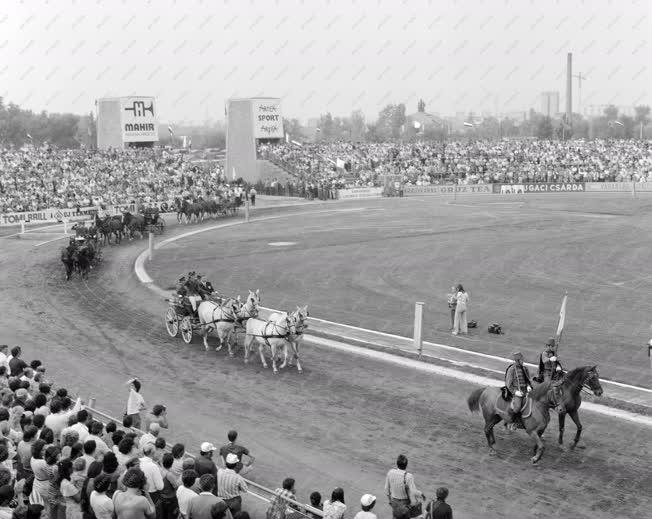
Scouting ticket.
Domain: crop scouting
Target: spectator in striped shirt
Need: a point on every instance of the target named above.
(400, 488)
(230, 485)
(280, 504)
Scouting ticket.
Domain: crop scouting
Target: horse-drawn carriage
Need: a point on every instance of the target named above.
(153, 222)
(180, 317)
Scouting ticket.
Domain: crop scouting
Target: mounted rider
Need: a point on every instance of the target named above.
(549, 366)
(550, 370)
(517, 381)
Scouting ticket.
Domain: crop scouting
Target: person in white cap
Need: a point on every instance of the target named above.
(367, 503)
(204, 463)
(231, 485)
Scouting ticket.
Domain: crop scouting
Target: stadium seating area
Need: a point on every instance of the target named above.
(346, 164)
(38, 178)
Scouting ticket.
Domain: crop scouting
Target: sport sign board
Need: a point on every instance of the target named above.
(268, 118)
(138, 117)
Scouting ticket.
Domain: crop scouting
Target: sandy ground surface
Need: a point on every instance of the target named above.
(342, 422)
(516, 258)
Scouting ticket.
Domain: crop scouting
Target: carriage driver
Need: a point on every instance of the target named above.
(517, 381)
(549, 366)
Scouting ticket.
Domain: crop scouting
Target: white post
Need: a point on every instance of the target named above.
(151, 246)
(22, 227)
(91, 402)
(65, 227)
(418, 327)
(649, 354)
(633, 188)
(247, 209)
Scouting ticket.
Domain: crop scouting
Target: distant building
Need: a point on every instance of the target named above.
(549, 103)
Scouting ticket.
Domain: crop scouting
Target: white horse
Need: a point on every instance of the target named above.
(250, 308)
(273, 333)
(219, 319)
(299, 317)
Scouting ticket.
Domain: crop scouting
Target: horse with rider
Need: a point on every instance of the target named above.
(520, 405)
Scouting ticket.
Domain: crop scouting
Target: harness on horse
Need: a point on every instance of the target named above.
(265, 336)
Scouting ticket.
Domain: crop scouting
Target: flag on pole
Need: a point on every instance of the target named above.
(170, 130)
(562, 319)
(468, 124)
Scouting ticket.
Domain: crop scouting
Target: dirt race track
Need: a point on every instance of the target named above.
(343, 421)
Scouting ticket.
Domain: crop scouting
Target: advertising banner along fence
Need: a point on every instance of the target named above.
(450, 189)
(53, 214)
(613, 187)
(360, 192)
(268, 118)
(542, 187)
(139, 119)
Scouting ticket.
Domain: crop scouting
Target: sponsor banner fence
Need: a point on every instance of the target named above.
(53, 215)
(613, 187)
(541, 187)
(449, 189)
(360, 192)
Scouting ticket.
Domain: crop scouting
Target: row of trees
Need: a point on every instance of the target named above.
(19, 126)
(392, 124)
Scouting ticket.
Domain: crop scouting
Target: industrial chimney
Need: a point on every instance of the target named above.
(569, 88)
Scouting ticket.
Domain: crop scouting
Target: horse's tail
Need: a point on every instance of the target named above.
(474, 399)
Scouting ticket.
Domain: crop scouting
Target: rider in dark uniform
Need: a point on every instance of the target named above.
(550, 370)
(517, 381)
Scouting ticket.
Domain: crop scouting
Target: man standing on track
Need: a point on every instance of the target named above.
(135, 403)
(400, 488)
(517, 380)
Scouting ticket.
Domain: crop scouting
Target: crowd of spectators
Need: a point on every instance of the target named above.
(58, 461)
(34, 178)
(346, 164)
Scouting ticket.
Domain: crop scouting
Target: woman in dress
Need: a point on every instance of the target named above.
(460, 324)
(335, 507)
(70, 493)
(55, 500)
(42, 474)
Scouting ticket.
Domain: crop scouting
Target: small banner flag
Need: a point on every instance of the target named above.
(562, 318)
(468, 124)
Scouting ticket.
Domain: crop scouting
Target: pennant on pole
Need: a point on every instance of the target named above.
(562, 318)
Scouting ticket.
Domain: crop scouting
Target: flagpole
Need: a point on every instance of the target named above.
(562, 319)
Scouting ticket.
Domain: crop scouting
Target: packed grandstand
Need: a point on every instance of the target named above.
(34, 178)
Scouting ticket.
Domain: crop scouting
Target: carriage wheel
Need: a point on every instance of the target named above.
(186, 329)
(172, 322)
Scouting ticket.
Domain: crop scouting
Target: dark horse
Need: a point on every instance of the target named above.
(535, 415)
(68, 260)
(110, 225)
(569, 398)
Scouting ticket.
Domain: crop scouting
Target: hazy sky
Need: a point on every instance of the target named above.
(60, 55)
